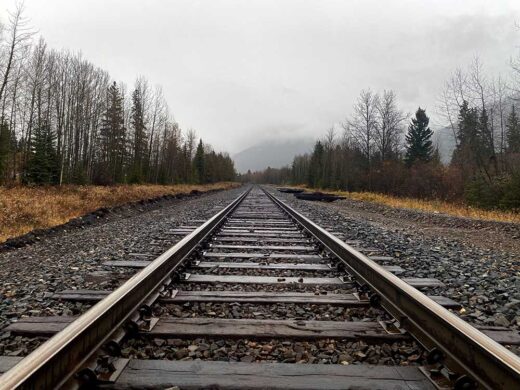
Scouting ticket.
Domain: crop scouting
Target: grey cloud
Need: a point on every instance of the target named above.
(243, 71)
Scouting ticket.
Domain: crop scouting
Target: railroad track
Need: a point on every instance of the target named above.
(259, 282)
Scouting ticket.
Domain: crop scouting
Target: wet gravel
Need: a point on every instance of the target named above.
(485, 281)
(267, 272)
(325, 351)
(74, 259)
(264, 261)
(279, 311)
(291, 287)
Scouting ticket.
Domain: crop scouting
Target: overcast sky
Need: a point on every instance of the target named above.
(239, 72)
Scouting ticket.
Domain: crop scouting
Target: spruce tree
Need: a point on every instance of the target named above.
(419, 145)
(5, 146)
(513, 132)
(140, 142)
(199, 164)
(316, 166)
(43, 166)
(467, 136)
(112, 139)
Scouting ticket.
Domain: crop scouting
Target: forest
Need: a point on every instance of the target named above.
(63, 120)
(383, 149)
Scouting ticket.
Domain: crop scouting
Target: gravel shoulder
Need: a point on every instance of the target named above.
(479, 261)
(486, 234)
(73, 258)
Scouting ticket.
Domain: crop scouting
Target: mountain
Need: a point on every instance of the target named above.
(444, 140)
(274, 154)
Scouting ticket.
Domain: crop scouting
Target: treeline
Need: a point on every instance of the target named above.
(381, 149)
(63, 120)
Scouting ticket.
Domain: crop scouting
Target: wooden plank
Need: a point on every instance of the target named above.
(261, 216)
(393, 268)
(347, 300)
(233, 219)
(244, 279)
(423, 282)
(258, 209)
(180, 296)
(142, 255)
(8, 362)
(224, 327)
(223, 255)
(381, 258)
(39, 326)
(246, 222)
(262, 235)
(48, 326)
(179, 232)
(261, 228)
(282, 233)
(312, 265)
(127, 263)
(266, 297)
(279, 266)
(296, 248)
(367, 250)
(81, 295)
(262, 240)
(446, 302)
(501, 335)
(161, 374)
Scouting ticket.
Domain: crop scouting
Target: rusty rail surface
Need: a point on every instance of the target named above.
(58, 359)
(465, 349)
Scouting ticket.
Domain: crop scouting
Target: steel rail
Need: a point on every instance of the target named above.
(55, 361)
(477, 355)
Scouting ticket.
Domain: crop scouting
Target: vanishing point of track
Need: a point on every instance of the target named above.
(258, 232)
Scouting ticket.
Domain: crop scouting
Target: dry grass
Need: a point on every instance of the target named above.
(433, 206)
(23, 209)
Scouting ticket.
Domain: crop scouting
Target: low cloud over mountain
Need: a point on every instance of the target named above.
(274, 154)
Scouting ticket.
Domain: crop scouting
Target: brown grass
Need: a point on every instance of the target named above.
(23, 209)
(432, 206)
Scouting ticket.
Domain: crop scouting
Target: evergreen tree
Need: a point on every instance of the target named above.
(140, 139)
(112, 140)
(43, 166)
(5, 146)
(419, 145)
(199, 164)
(485, 143)
(316, 166)
(513, 132)
(467, 135)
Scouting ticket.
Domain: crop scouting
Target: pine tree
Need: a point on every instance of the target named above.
(199, 164)
(5, 146)
(419, 145)
(112, 140)
(513, 132)
(43, 166)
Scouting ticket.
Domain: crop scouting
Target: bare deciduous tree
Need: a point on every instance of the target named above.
(389, 126)
(18, 36)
